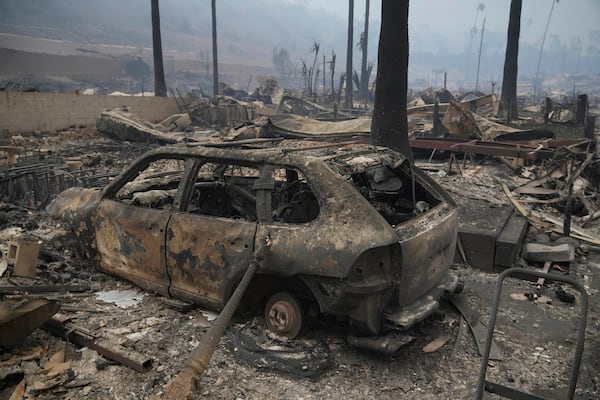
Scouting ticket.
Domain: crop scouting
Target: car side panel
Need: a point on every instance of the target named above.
(347, 225)
(130, 242)
(207, 255)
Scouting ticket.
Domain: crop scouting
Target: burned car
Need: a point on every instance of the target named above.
(353, 229)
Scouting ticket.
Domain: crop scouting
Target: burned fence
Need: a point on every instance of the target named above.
(34, 186)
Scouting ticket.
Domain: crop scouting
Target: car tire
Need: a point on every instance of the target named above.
(284, 314)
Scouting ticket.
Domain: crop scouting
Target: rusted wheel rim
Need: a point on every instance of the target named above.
(283, 315)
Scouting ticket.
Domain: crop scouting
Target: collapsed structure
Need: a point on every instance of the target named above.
(354, 232)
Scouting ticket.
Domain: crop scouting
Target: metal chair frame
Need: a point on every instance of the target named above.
(512, 393)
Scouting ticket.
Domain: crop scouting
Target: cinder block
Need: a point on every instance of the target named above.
(509, 241)
(23, 254)
(549, 252)
(480, 225)
(479, 246)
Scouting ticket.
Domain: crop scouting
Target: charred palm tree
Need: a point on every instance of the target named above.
(390, 126)
(364, 76)
(160, 88)
(508, 101)
(214, 46)
(348, 98)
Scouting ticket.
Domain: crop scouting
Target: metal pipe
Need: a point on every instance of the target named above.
(182, 386)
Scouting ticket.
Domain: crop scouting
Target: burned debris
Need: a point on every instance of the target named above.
(364, 240)
(364, 248)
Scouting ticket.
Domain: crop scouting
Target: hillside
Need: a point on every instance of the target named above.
(247, 30)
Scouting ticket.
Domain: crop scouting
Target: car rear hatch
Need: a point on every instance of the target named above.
(425, 219)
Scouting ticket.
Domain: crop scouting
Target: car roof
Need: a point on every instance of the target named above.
(344, 157)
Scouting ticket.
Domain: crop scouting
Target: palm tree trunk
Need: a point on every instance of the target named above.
(214, 46)
(348, 98)
(160, 88)
(364, 79)
(390, 126)
(508, 101)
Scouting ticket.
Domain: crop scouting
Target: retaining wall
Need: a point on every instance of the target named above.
(22, 112)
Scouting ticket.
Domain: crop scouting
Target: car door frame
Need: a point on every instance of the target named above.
(130, 240)
(205, 269)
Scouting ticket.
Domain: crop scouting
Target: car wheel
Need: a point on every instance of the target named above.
(284, 314)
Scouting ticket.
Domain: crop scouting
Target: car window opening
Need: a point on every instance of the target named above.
(154, 186)
(293, 199)
(241, 192)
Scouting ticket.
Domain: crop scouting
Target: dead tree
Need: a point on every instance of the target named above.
(332, 71)
(340, 86)
(214, 46)
(310, 73)
(160, 88)
(508, 101)
(348, 98)
(364, 39)
(390, 126)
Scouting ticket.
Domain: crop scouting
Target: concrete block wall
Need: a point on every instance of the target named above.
(22, 112)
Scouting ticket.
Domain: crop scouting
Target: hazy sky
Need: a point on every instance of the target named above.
(450, 17)
(440, 30)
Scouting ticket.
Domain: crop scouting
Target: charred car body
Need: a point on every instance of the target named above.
(353, 228)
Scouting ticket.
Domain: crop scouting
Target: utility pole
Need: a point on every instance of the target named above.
(160, 88)
(479, 58)
(537, 73)
(472, 33)
(348, 97)
(214, 45)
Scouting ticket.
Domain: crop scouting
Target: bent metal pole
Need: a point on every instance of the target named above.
(182, 386)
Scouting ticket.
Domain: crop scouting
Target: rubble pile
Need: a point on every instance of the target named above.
(528, 196)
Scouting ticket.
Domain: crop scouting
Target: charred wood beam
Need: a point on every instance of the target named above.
(11, 289)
